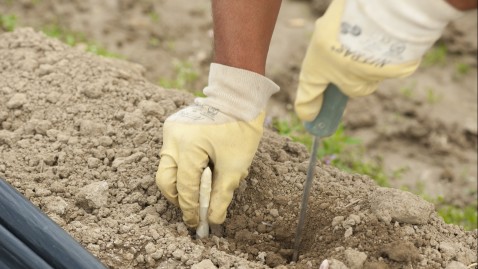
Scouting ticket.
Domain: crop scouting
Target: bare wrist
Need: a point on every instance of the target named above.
(463, 4)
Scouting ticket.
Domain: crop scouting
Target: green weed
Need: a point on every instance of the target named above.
(463, 68)
(435, 56)
(340, 150)
(199, 94)
(465, 216)
(154, 42)
(8, 22)
(407, 92)
(74, 38)
(432, 96)
(185, 75)
(154, 16)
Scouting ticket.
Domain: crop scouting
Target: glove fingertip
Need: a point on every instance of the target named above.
(191, 218)
(166, 179)
(308, 110)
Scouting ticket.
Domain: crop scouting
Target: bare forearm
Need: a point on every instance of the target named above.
(463, 4)
(243, 31)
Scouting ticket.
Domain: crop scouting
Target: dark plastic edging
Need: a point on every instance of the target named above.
(15, 254)
(39, 233)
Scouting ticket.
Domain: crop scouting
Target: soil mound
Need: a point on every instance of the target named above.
(80, 137)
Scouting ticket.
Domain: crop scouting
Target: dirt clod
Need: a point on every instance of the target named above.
(402, 252)
(394, 205)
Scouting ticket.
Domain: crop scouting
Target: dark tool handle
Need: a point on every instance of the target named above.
(40, 234)
(330, 113)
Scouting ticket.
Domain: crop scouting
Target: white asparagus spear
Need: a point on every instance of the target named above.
(324, 265)
(204, 197)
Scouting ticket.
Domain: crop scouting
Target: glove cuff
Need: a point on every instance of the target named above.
(411, 20)
(237, 92)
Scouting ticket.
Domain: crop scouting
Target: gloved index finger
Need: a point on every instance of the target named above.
(223, 186)
(166, 178)
(191, 164)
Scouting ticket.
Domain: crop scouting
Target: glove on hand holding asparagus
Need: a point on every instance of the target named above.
(223, 128)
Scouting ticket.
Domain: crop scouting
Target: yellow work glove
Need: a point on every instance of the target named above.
(358, 43)
(223, 129)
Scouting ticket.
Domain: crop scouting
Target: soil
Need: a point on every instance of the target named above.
(80, 138)
(423, 129)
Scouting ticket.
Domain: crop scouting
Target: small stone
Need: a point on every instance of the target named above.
(274, 212)
(127, 160)
(401, 252)
(390, 204)
(140, 138)
(204, 264)
(336, 264)
(178, 253)
(158, 254)
(91, 128)
(448, 250)
(93, 163)
(50, 159)
(337, 220)
(56, 205)
(92, 91)
(134, 120)
(150, 248)
(41, 192)
(94, 195)
(140, 258)
(151, 108)
(17, 101)
(348, 232)
(42, 127)
(105, 141)
(456, 265)
(182, 229)
(355, 259)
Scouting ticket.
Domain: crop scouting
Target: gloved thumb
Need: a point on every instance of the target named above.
(309, 97)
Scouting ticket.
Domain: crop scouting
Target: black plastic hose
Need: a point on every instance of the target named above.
(15, 254)
(40, 234)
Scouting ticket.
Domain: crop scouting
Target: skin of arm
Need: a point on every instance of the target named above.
(243, 31)
(463, 4)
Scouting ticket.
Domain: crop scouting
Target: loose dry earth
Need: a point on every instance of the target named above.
(423, 128)
(80, 137)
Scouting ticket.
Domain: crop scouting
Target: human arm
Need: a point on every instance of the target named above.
(463, 5)
(224, 128)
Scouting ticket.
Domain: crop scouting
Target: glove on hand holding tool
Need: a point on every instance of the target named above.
(223, 130)
(356, 45)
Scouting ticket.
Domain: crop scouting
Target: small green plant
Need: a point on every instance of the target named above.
(462, 69)
(340, 150)
(154, 16)
(185, 75)
(432, 96)
(408, 90)
(72, 38)
(466, 216)
(154, 42)
(199, 94)
(435, 56)
(8, 22)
